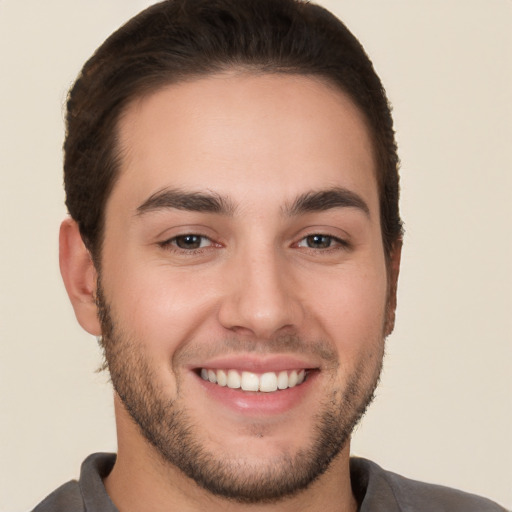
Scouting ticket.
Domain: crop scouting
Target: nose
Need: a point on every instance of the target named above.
(261, 296)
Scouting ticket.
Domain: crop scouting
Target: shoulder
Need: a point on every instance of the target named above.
(88, 494)
(66, 498)
(437, 498)
(411, 495)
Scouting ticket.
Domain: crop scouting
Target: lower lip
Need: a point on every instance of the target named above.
(258, 403)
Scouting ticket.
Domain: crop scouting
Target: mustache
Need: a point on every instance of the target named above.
(282, 344)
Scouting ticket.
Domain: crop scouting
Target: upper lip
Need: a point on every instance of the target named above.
(251, 363)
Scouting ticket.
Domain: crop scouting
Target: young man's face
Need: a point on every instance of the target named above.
(243, 245)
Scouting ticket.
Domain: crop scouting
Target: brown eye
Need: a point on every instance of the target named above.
(317, 242)
(191, 242)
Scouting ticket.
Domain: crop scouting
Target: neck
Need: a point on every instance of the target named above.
(141, 480)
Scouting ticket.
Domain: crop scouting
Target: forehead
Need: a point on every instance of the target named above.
(245, 136)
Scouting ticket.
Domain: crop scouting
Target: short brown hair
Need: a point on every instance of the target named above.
(177, 40)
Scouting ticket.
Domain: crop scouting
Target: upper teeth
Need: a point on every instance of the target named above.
(248, 381)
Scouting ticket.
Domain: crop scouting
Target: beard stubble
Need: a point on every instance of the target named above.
(165, 424)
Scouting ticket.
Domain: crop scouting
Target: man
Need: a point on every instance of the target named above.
(235, 238)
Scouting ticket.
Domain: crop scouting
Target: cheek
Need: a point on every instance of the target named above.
(352, 308)
(158, 307)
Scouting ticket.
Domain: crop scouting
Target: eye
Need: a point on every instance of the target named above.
(318, 241)
(188, 242)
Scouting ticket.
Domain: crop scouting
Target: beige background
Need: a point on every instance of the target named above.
(444, 409)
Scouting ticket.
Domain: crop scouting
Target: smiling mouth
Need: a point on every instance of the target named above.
(248, 381)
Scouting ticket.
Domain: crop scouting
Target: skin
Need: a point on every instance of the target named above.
(259, 142)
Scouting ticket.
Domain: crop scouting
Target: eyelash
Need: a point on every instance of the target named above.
(171, 244)
(335, 243)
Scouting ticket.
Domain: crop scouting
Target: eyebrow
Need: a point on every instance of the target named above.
(208, 202)
(321, 200)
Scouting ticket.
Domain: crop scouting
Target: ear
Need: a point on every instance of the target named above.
(79, 275)
(393, 271)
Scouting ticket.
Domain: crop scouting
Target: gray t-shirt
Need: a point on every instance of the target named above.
(376, 490)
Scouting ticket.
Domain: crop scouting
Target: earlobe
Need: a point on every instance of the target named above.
(393, 272)
(79, 275)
